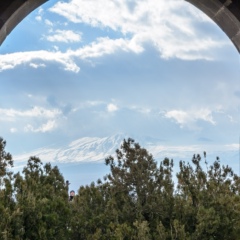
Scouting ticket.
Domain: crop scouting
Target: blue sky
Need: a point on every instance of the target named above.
(78, 68)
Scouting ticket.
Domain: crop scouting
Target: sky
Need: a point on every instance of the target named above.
(78, 68)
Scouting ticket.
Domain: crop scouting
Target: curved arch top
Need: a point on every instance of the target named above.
(225, 13)
(13, 12)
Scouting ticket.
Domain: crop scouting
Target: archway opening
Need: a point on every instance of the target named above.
(153, 73)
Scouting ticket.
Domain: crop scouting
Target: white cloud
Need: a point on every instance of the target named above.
(40, 10)
(169, 25)
(13, 130)
(38, 18)
(66, 36)
(232, 147)
(48, 23)
(39, 119)
(103, 46)
(106, 46)
(40, 13)
(10, 61)
(47, 127)
(35, 65)
(12, 114)
(112, 107)
(184, 118)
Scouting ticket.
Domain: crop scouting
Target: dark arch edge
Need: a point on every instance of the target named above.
(12, 12)
(225, 13)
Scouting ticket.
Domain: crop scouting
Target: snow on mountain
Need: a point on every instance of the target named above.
(87, 149)
(95, 149)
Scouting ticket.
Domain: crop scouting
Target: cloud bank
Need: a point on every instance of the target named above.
(169, 26)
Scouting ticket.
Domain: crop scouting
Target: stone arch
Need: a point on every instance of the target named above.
(226, 14)
(12, 12)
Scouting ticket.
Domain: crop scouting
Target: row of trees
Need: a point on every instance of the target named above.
(138, 199)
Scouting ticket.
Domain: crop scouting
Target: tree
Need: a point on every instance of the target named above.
(142, 192)
(208, 201)
(6, 191)
(136, 200)
(89, 218)
(42, 199)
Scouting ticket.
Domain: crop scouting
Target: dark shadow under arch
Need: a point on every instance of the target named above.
(226, 14)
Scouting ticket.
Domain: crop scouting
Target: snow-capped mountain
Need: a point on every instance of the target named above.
(87, 149)
(95, 149)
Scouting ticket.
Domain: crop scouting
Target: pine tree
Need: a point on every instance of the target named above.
(42, 199)
(6, 192)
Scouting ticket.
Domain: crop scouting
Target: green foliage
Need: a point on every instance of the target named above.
(7, 203)
(42, 198)
(136, 200)
(33, 205)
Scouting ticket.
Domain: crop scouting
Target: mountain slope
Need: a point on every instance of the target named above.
(95, 149)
